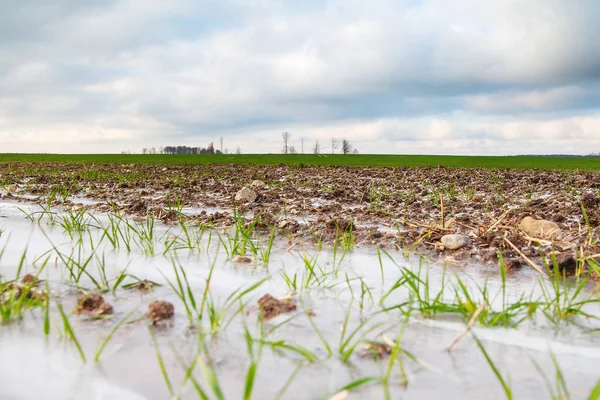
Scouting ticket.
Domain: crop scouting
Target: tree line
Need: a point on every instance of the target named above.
(210, 149)
(343, 146)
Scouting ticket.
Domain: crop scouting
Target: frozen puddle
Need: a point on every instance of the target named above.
(296, 357)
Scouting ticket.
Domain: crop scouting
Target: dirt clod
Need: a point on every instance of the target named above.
(93, 304)
(160, 310)
(271, 307)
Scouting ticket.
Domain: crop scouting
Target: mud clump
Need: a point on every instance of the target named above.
(376, 350)
(590, 200)
(565, 262)
(93, 304)
(241, 260)
(160, 310)
(24, 288)
(143, 286)
(29, 279)
(271, 307)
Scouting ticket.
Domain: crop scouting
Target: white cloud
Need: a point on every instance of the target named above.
(435, 74)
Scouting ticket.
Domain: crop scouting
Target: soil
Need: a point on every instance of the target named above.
(160, 310)
(387, 207)
(93, 304)
(271, 307)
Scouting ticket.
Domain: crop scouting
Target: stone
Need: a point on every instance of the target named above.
(241, 259)
(540, 228)
(246, 195)
(455, 242)
(257, 185)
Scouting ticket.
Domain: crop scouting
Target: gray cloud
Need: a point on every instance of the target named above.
(441, 76)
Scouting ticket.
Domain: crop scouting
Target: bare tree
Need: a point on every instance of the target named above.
(238, 150)
(334, 144)
(286, 138)
(292, 150)
(346, 146)
(317, 148)
(221, 140)
(302, 145)
(211, 148)
(144, 151)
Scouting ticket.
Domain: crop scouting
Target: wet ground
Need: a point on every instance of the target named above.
(349, 249)
(402, 207)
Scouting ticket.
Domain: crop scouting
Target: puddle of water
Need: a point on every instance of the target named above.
(341, 284)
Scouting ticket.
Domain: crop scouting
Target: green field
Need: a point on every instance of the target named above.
(529, 162)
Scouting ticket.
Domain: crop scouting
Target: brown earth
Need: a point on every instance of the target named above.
(389, 207)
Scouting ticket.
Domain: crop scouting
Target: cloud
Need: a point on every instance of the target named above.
(423, 76)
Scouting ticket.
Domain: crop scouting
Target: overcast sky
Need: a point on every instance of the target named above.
(392, 76)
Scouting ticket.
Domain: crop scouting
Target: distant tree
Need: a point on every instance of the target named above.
(238, 150)
(317, 148)
(144, 151)
(292, 150)
(286, 138)
(211, 148)
(161, 150)
(153, 150)
(346, 146)
(302, 145)
(334, 144)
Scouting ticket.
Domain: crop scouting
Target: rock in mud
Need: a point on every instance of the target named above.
(241, 259)
(160, 310)
(94, 304)
(455, 241)
(271, 307)
(257, 185)
(246, 195)
(540, 228)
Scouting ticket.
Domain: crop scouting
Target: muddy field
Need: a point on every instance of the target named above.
(229, 281)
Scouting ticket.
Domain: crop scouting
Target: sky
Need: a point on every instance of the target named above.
(487, 77)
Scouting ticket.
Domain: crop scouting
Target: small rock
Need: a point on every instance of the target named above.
(160, 310)
(455, 242)
(540, 228)
(257, 185)
(241, 259)
(246, 195)
(271, 307)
